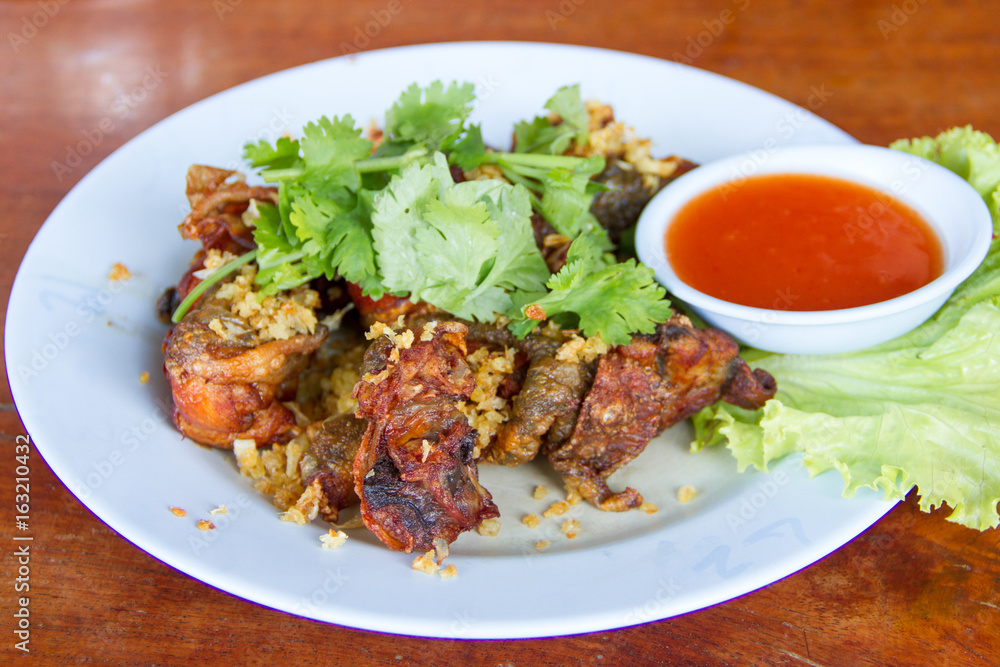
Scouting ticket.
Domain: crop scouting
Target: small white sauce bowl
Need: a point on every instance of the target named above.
(950, 206)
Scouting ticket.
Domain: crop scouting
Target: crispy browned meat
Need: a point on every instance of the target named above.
(388, 309)
(641, 389)
(226, 390)
(328, 466)
(618, 207)
(218, 198)
(544, 410)
(415, 472)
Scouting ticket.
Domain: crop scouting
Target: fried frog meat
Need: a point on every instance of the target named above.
(641, 389)
(218, 199)
(327, 468)
(546, 407)
(228, 389)
(415, 472)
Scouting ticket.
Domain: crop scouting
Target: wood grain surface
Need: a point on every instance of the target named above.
(912, 590)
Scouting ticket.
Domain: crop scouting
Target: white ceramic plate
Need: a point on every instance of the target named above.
(77, 344)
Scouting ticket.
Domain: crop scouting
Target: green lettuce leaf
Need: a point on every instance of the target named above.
(921, 411)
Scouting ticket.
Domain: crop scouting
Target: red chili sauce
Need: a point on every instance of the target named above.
(802, 242)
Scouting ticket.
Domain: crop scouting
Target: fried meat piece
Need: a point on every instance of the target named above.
(643, 388)
(628, 191)
(218, 199)
(414, 472)
(545, 409)
(387, 309)
(228, 389)
(327, 468)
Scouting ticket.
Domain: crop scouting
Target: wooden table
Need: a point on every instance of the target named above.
(913, 589)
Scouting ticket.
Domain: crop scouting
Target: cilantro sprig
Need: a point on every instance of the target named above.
(463, 247)
(594, 293)
(393, 220)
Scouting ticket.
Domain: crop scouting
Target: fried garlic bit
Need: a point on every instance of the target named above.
(119, 272)
(557, 508)
(333, 539)
(489, 528)
(430, 562)
(686, 493)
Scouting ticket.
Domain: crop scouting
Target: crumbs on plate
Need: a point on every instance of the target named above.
(119, 272)
(333, 539)
(686, 493)
(571, 528)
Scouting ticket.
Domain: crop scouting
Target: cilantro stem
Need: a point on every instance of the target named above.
(535, 160)
(213, 278)
(275, 175)
(372, 164)
(365, 166)
(515, 176)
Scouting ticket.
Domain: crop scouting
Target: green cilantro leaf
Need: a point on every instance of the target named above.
(566, 200)
(541, 135)
(470, 151)
(441, 241)
(330, 150)
(396, 222)
(284, 154)
(433, 116)
(610, 300)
